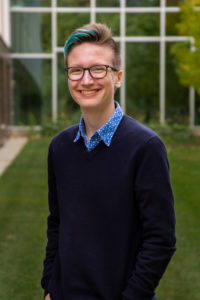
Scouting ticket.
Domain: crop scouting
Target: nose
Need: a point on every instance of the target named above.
(87, 79)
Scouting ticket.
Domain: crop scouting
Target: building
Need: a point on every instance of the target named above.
(5, 71)
(145, 31)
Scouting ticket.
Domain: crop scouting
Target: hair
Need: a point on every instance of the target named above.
(95, 33)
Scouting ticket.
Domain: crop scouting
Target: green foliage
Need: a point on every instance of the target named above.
(142, 74)
(172, 131)
(32, 91)
(31, 3)
(67, 23)
(112, 20)
(46, 32)
(187, 55)
(171, 20)
(142, 24)
(108, 3)
(50, 128)
(142, 3)
(73, 3)
(142, 80)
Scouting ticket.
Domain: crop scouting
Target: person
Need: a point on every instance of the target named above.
(111, 227)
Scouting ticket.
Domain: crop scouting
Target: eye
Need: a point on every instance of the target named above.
(98, 69)
(75, 70)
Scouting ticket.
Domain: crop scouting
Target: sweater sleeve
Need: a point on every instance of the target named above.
(156, 208)
(52, 225)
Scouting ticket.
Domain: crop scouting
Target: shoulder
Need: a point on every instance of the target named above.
(135, 132)
(64, 137)
(150, 151)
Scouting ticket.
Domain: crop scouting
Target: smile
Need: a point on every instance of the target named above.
(88, 92)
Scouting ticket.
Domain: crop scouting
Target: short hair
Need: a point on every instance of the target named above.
(97, 33)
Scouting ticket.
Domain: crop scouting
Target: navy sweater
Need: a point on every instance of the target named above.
(111, 227)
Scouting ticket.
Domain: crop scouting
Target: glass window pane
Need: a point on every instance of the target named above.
(66, 105)
(171, 20)
(142, 81)
(31, 32)
(73, 3)
(67, 23)
(177, 96)
(34, 3)
(32, 91)
(112, 20)
(197, 110)
(141, 3)
(107, 3)
(174, 2)
(143, 24)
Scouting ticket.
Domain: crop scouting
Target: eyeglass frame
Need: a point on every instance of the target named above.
(89, 70)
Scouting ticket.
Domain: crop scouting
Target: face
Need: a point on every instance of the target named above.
(90, 93)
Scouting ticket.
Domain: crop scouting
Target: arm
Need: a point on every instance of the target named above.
(52, 225)
(156, 208)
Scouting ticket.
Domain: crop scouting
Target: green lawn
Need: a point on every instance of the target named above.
(23, 212)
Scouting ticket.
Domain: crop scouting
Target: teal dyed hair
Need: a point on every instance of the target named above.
(75, 36)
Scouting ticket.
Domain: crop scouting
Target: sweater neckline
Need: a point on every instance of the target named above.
(101, 146)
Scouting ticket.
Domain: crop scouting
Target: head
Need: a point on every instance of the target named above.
(93, 46)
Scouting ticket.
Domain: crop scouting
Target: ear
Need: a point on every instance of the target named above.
(118, 79)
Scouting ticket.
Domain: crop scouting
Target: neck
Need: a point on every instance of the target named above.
(96, 119)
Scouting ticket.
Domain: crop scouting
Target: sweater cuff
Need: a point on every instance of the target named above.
(46, 291)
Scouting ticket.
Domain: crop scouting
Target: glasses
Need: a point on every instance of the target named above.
(96, 72)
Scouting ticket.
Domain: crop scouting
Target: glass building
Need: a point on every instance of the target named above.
(145, 31)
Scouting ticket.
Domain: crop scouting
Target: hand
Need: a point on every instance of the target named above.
(47, 297)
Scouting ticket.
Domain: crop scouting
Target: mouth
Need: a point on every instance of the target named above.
(89, 92)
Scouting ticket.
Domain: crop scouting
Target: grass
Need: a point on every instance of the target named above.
(181, 281)
(23, 212)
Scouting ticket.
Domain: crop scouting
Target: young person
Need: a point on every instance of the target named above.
(111, 227)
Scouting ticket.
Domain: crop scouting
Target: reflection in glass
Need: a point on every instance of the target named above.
(142, 24)
(197, 110)
(142, 81)
(34, 3)
(73, 3)
(108, 3)
(67, 23)
(112, 20)
(66, 105)
(31, 32)
(171, 20)
(32, 91)
(141, 3)
(176, 95)
(174, 2)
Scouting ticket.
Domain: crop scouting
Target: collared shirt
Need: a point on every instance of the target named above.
(105, 133)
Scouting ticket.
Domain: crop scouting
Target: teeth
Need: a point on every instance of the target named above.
(88, 92)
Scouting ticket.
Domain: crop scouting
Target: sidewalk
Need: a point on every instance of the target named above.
(10, 150)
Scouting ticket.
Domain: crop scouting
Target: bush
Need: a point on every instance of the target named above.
(49, 128)
(172, 130)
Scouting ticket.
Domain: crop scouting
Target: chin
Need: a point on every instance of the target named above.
(88, 103)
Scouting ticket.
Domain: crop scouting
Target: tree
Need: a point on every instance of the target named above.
(187, 55)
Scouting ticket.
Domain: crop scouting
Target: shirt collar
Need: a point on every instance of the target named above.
(107, 131)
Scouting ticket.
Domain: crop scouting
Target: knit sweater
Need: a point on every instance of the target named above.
(111, 227)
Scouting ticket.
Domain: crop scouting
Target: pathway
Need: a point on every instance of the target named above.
(10, 150)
